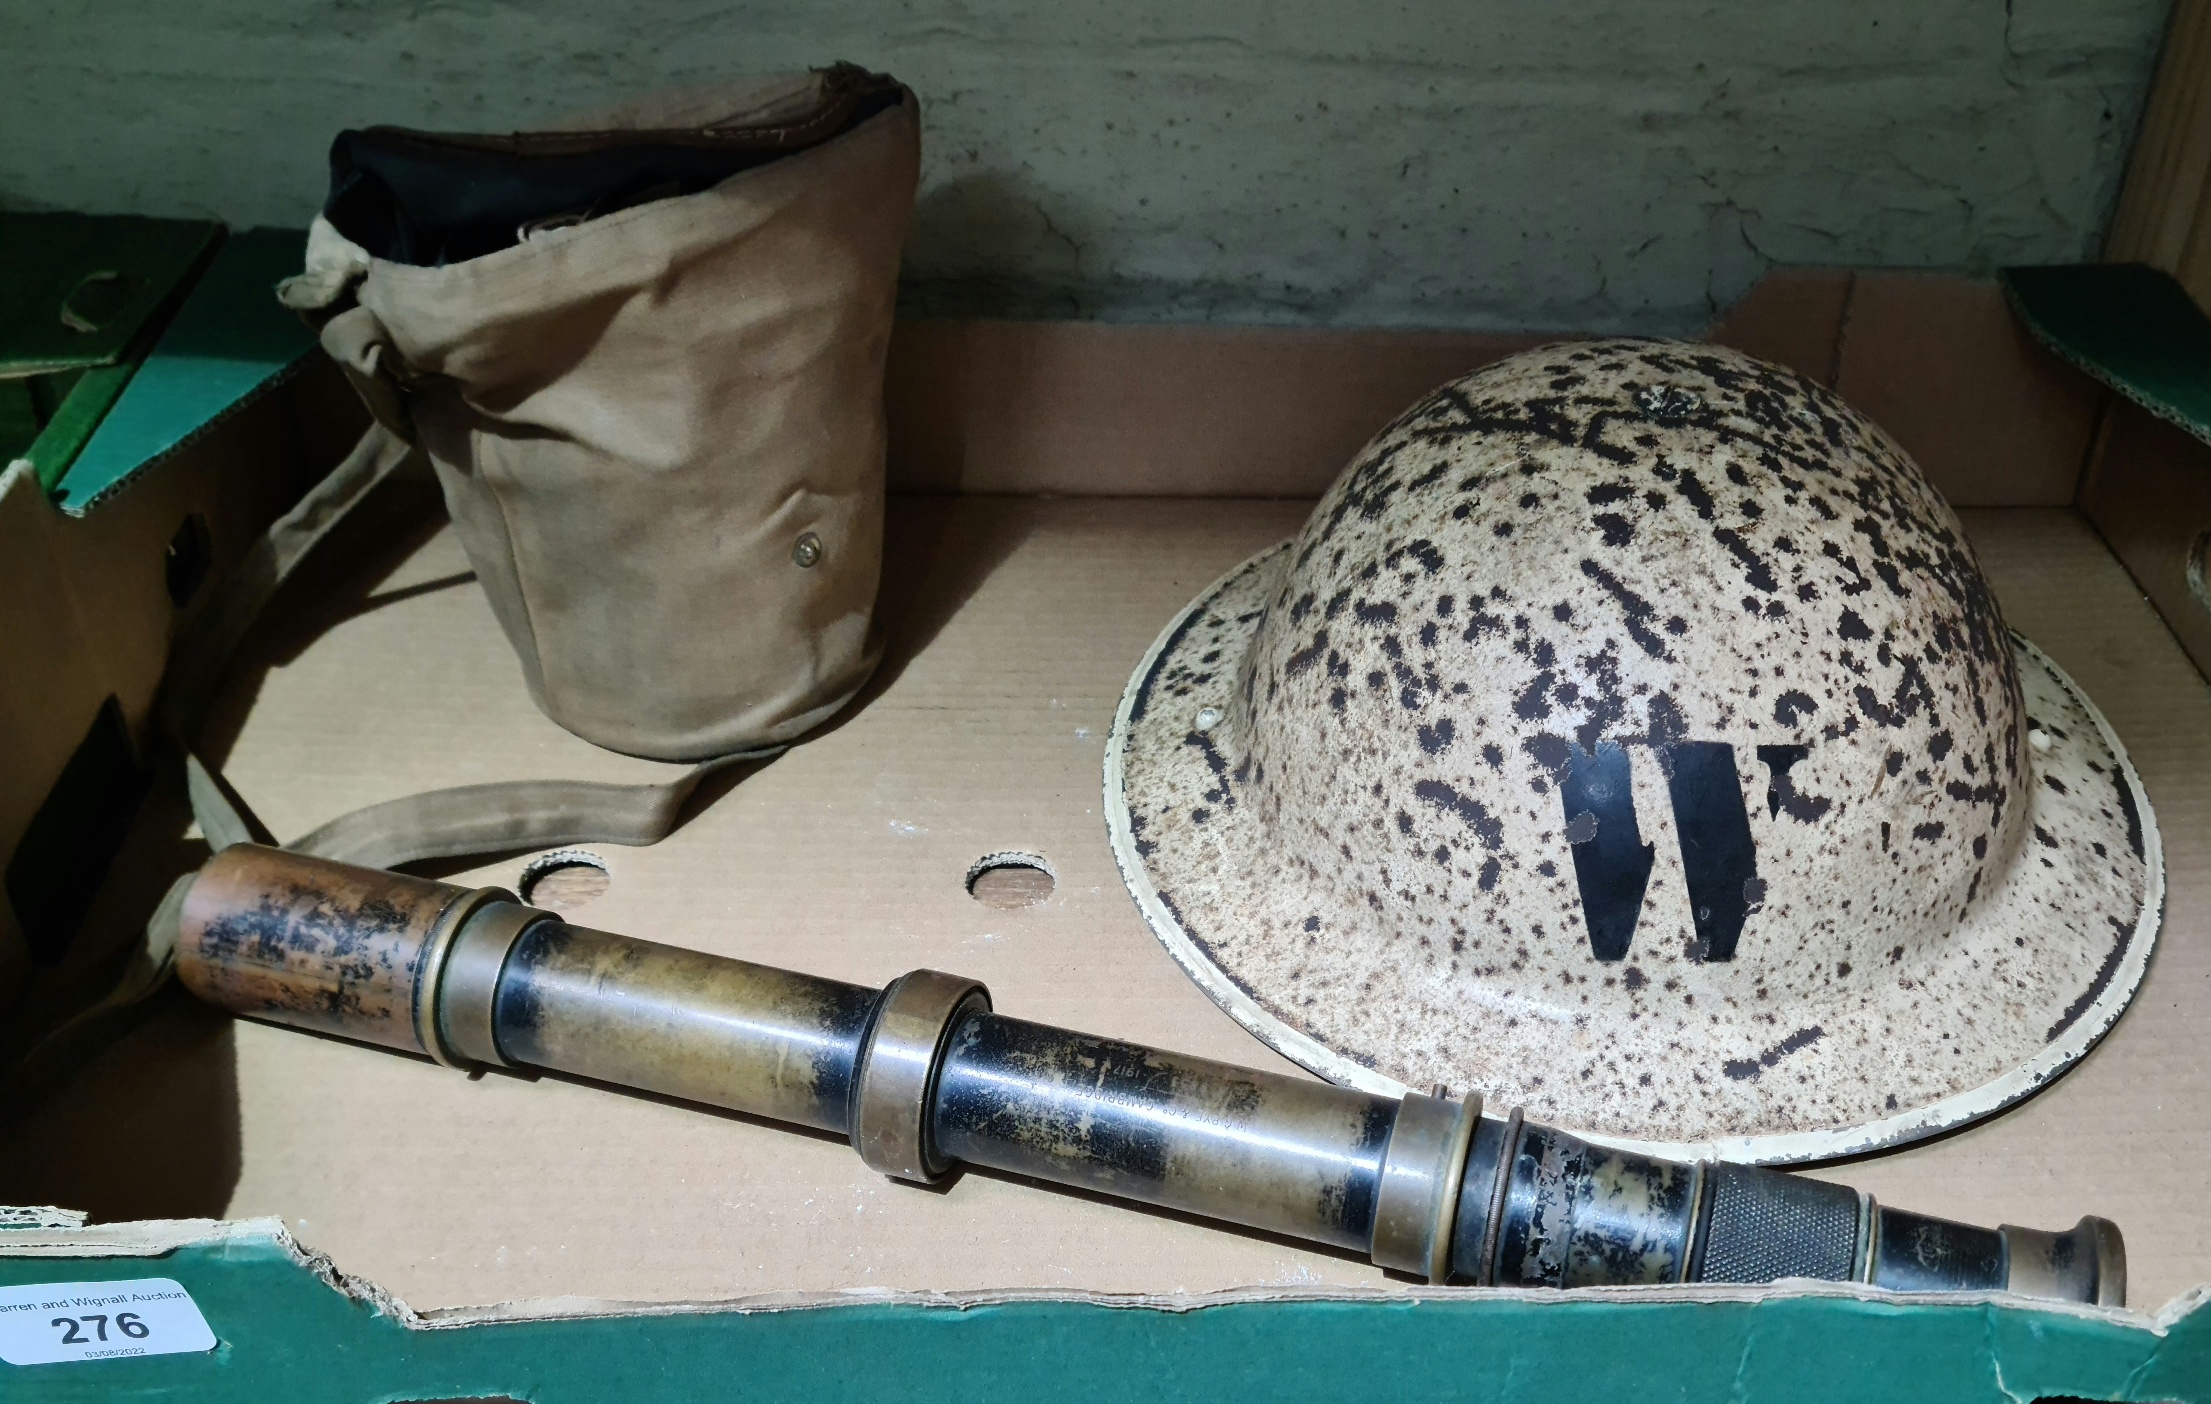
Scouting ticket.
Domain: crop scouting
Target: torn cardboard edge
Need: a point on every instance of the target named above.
(155, 1238)
(289, 1326)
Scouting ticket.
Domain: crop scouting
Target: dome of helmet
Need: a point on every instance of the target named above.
(1573, 561)
(1630, 732)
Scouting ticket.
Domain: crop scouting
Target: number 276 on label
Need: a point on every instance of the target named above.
(48, 1323)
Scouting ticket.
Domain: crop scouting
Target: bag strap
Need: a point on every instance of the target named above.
(448, 823)
(202, 652)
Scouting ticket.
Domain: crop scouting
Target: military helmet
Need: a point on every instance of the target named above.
(1631, 736)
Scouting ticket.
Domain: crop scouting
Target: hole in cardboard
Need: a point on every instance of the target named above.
(1010, 881)
(2197, 551)
(98, 299)
(191, 552)
(564, 879)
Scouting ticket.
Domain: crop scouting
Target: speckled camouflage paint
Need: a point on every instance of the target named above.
(1630, 735)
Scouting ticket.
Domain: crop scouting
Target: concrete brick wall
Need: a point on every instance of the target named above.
(1602, 164)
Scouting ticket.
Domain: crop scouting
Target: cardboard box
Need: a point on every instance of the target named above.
(556, 1240)
(108, 554)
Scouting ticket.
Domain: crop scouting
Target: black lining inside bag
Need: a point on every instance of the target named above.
(429, 198)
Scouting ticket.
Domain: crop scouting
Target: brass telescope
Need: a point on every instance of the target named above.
(923, 1076)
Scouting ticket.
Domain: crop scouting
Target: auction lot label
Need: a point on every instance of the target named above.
(51, 1323)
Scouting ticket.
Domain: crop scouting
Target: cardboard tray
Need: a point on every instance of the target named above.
(1014, 620)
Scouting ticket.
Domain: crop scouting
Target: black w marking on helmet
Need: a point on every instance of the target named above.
(1612, 864)
(1717, 857)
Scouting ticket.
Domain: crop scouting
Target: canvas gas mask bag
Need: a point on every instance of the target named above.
(643, 353)
(646, 362)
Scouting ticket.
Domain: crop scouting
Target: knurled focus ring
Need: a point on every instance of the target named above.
(897, 1081)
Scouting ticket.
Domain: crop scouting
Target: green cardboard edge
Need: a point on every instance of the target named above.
(229, 341)
(75, 421)
(2129, 325)
(291, 1328)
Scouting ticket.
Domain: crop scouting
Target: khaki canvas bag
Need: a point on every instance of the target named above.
(659, 429)
(644, 356)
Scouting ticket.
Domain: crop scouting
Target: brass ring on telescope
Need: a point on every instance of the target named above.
(468, 990)
(1419, 1192)
(436, 947)
(895, 1085)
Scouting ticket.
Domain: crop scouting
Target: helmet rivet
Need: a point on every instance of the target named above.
(2039, 739)
(806, 550)
(1668, 404)
(1208, 718)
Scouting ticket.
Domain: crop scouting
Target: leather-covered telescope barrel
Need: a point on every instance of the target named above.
(924, 1076)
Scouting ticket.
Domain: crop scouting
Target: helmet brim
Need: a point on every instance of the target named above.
(1206, 890)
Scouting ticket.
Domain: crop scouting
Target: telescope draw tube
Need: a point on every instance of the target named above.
(923, 1076)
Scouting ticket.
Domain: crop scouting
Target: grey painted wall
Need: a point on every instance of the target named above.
(1601, 164)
